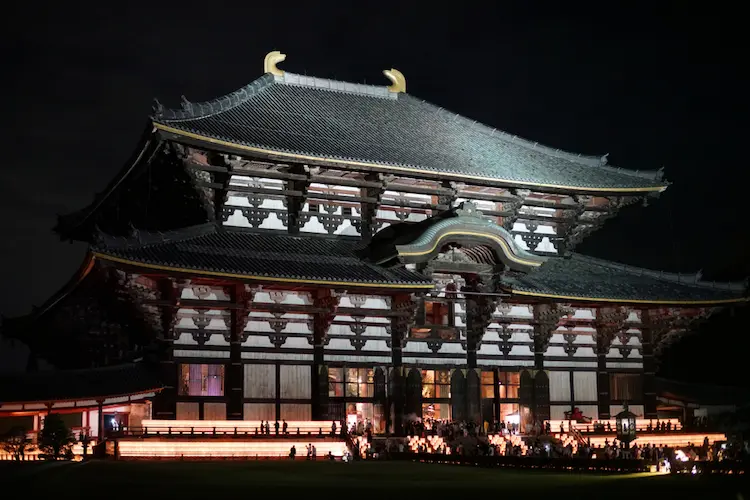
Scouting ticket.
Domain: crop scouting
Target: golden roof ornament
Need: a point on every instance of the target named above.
(272, 59)
(397, 79)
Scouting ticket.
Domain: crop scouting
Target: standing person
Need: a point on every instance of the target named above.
(276, 427)
(314, 452)
(293, 452)
(333, 428)
(285, 428)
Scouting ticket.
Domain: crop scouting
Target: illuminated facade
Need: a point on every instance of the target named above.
(309, 249)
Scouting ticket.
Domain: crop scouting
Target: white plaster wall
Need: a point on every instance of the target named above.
(281, 356)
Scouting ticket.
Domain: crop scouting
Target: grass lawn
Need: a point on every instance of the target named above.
(208, 480)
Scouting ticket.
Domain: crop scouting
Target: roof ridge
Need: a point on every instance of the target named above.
(690, 279)
(377, 91)
(588, 160)
(139, 238)
(193, 110)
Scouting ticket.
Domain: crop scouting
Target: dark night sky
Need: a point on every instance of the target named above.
(651, 88)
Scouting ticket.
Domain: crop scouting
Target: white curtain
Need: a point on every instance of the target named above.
(296, 412)
(584, 386)
(214, 411)
(295, 382)
(259, 411)
(260, 381)
(559, 386)
(187, 411)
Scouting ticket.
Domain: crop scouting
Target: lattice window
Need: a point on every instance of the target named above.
(351, 382)
(436, 384)
(201, 380)
(509, 382)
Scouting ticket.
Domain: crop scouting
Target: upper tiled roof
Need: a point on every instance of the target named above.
(588, 278)
(211, 250)
(321, 119)
(94, 383)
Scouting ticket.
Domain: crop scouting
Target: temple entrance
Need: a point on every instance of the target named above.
(360, 416)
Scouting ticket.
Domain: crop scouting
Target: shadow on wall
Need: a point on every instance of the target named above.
(14, 357)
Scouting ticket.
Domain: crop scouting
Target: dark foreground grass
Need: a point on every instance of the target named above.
(389, 480)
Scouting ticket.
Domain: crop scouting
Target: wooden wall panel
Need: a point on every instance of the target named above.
(296, 412)
(214, 411)
(295, 382)
(260, 411)
(187, 411)
(260, 381)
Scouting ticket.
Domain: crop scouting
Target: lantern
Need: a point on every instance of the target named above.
(625, 422)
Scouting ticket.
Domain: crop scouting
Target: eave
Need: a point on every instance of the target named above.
(609, 300)
(259, 278)
(202, 140)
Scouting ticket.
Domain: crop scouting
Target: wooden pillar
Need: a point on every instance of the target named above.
(496, 392)
(165, 402)
(100, 403)
(327, 301)
(609, 322)
(405, 306)
(649, 365)
(602, 375)
(242, 297)
(480, 307)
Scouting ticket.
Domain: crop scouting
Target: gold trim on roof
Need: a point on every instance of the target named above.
(627, 301)
(270, 62)
(398, 80)
(504, 244)
(211, 140)
(119, 260)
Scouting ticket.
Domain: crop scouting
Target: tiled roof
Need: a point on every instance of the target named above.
(332, 120)
(586, 277)
(214, 250)
(77, 384)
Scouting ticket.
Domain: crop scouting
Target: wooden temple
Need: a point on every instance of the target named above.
(310, 249)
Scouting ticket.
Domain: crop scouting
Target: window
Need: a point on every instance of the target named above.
(201, 380)
(625, 386)
(436, 384)
(351, 382)
(488, 385)
(436, 313)
(509, 384)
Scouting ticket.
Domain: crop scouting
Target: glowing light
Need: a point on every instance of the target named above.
(206, 449)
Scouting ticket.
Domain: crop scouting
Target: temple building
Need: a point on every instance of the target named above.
(311, 249)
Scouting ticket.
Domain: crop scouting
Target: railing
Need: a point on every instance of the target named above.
(578, 436)
(218, 432)
(558, 464)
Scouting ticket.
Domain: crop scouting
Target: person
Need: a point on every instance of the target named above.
(330, 456)
(276, 427)
(285, 428)
(333, 428)
(314, 452)
(293, 452)
(309, 450)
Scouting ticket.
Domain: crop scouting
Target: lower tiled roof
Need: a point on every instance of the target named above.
(214, 251)
(66, 385)
(584, 277)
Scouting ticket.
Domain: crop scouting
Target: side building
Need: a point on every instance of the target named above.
(306, 248)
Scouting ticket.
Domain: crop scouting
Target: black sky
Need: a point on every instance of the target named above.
(652, 88)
